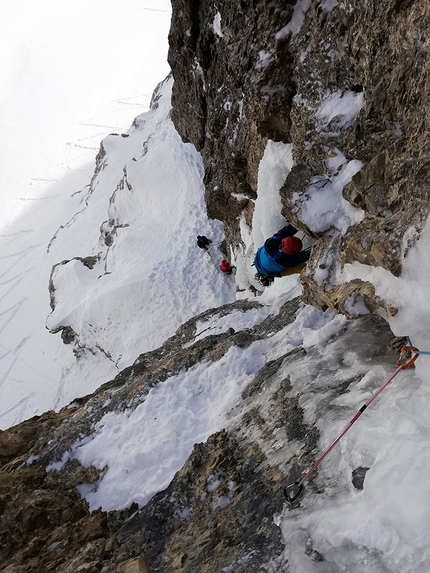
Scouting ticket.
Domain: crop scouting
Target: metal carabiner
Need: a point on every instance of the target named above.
(293, 491)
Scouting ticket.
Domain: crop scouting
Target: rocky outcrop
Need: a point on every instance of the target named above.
(254, 70)
(217, 513)
(45, 524)
(230, 94)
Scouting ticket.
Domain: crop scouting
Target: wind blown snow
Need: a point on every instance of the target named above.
(144, 449)
(139, 219)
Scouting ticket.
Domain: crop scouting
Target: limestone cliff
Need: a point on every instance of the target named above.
(252, 70)
(247, 72)
(217, 513)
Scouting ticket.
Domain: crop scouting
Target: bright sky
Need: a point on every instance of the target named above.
(65, 64)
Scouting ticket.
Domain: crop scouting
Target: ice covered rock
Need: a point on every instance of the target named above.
(349, 96)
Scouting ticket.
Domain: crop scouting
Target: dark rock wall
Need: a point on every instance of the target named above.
(226, 100)
(378, 49)
(217, 513)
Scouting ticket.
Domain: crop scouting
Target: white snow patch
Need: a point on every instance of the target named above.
(273, 169)
(408, 293)
(130, 278)
(216, 25)
(304, 53)
(143, 449)
(240, 197)
(322, 206)
(146, 284)
(335, 160)
(237, 319)
(328, 5)
(297, 19)
(60, 464)
(223, 501)
(355, 305)
(341, 105)
(298, 99)
(213, 483)
(242, 257)
(387, 523)
(397, 130)
(186, 513)
(264, 59)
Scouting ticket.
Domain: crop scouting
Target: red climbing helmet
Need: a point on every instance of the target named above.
(291, 245)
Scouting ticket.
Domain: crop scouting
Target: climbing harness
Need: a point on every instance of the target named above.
(293, 491)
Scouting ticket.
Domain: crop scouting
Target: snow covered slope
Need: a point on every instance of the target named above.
(70, 72)
(139, 218)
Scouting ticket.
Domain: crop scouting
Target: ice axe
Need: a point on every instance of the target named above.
(294, 490)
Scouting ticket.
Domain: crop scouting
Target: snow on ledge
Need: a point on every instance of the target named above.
(345, 105)
(216, 25)
(322, 206)
(296, 22)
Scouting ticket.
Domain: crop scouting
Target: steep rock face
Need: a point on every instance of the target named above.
(342, 82)
(230, 94)
(217, 512)
(45, 524)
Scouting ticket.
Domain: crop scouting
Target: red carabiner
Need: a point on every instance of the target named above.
(412, 360)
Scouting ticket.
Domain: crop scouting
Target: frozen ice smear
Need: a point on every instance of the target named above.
(274, 167)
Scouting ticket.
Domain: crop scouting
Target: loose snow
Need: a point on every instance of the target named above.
(297, 19)
(152, 278)
(342, 105)
(145, 448)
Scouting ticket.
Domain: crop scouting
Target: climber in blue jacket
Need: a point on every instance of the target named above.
(282, 251)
